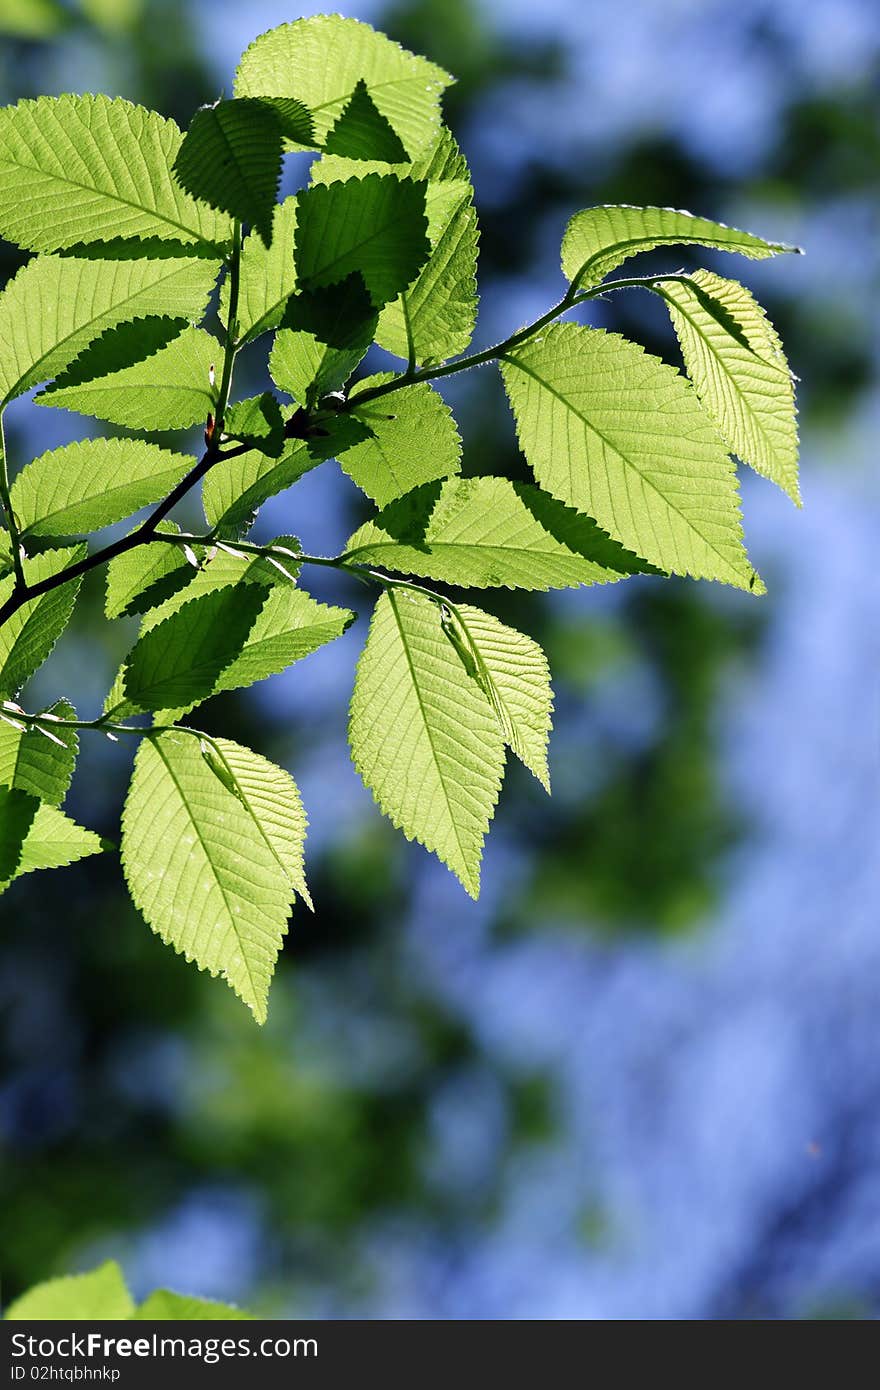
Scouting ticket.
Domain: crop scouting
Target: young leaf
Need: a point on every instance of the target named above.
(92, 483)
(169, 389)
(99, 1295)
(85, 169)
(38, 765)
(28, 636)
(306, 368)
(325, 334)
(321, 60)
(488, 533)
(375, 225)
(179, 661)
(362, 132)
(620, 435)
(598, 240)
(231, 158)
(735, 360)
(512, 670)
(57, 305)
(268, 277)
(257, 421)
(201, 872)
(144, 577)
(434, 317)
(412, 439)
(423, 736)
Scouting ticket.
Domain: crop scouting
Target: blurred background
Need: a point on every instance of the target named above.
(641, 1078)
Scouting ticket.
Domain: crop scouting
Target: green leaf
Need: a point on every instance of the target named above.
(28, 636)
(170, 389)
(413, 439)
(17, 811)
(375, 225)
(179, 661)
(92, 483)
(34, 835)
(325, 335)
(512, 670)
(321, 60)
(231, 157)
(620, 435)
(164, 1306)
(297, 125)
(99, 1295)
(267, 278)
(423, 735)
(144, 577)
(433, 319)
(54, 841)
(490, 533)
(57, 305)
(735, 360)
(174, 668)
(124, 345)
(228, 566)
(272, 799)
(236, 487)
(598, 240)
(85, 169)
(362, 132)
(289, 625)
(197, 867)
(257, 421)
(36, 764)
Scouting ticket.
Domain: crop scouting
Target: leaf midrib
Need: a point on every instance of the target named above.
(426, 722)
(195, 236)
(648, 242)
(198, 833)
(108, 492)
(110, 309)
(754, 415)
(615, 449)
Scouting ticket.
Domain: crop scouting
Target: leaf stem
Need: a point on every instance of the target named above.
(148, 530)
(569, 300)
(102, 725)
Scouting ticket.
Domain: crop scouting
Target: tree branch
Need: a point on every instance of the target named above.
(569, 300)
(299, 426)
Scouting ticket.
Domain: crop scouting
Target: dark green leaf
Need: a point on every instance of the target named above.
(362, 132)
(231, 158)
(375, 225)
(257, 421)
